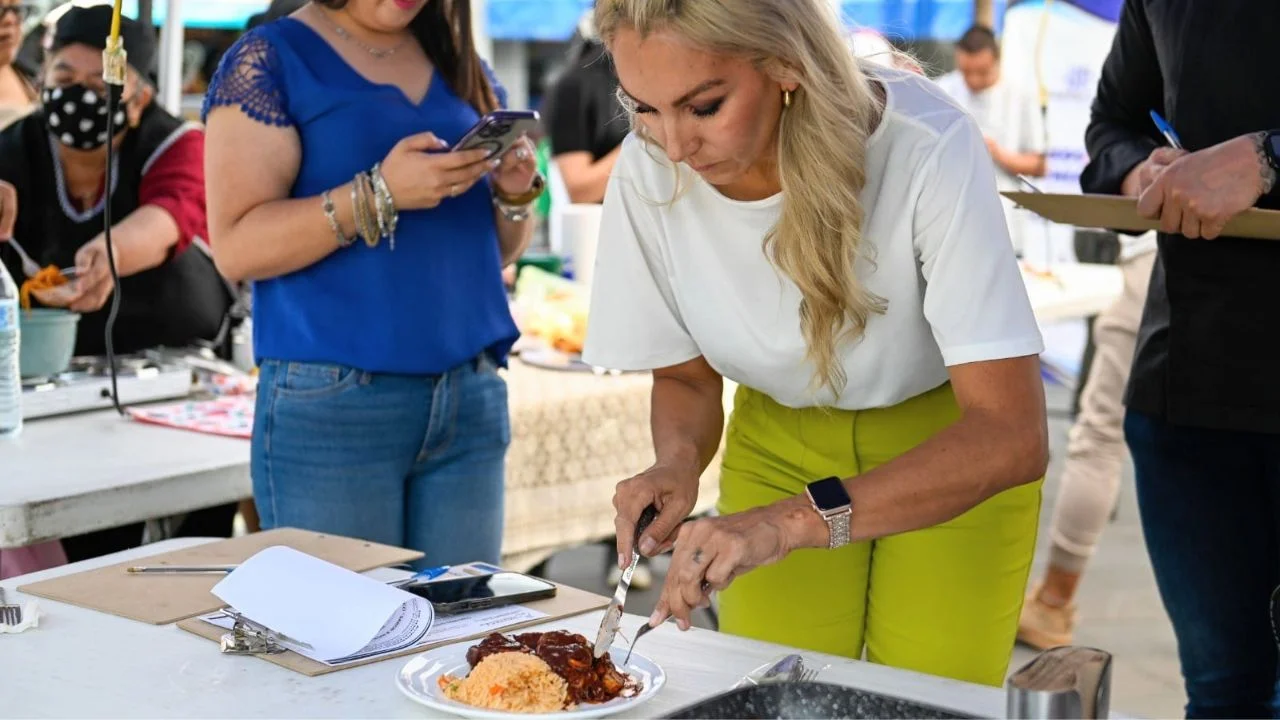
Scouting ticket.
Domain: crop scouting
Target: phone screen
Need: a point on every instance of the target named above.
(474, 593)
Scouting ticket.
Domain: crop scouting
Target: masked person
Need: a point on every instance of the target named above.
(52, 174)
(52, 199)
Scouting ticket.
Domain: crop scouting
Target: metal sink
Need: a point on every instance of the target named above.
(808, 700)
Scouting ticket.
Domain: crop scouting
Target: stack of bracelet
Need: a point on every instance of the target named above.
(373, 209)
(388, 216)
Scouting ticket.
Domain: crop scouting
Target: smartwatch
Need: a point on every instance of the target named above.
(832, 502)
(1271, 150)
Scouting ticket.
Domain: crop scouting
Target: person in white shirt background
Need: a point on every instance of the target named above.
(1010, 118)
(827, 234)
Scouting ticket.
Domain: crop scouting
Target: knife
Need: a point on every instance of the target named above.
(613, 614)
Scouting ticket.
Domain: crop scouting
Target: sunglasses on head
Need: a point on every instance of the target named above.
(21, 11)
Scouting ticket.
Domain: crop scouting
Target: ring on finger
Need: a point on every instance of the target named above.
(522, 154)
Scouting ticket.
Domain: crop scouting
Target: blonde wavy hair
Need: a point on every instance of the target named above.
(822, 142)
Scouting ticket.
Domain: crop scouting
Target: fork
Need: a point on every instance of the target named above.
(29, 266)
(645, 628)
(802, 673)
(9, 614)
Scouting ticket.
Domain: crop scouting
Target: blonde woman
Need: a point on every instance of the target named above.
(828, 235)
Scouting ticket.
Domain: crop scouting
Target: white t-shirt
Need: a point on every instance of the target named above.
(675, 280)
(1012, 119)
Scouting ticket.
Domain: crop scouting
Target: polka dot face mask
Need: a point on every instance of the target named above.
(77, 116)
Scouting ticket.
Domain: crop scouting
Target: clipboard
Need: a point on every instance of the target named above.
(1116, 212)
(568, 602)
(166, 599)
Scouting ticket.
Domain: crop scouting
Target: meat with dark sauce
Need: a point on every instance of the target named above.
(569, 655)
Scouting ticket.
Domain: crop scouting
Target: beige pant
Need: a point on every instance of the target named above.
(1096, 449)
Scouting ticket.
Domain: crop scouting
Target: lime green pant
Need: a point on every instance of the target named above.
(943, 600)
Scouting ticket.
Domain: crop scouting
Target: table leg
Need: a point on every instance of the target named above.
(249, 512)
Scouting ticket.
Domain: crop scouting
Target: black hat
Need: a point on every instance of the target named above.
(91, 26)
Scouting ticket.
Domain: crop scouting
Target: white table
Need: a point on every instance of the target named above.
(574, 437)
(78, 473)
(1075, 291)
(81, 663)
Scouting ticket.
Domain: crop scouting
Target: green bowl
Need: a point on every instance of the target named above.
(47, 341)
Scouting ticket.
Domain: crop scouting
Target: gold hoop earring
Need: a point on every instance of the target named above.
(786, 98)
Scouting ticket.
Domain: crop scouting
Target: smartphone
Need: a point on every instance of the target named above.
(498, 131)
(456, 595)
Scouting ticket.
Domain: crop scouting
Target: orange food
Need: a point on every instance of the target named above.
(47, 279)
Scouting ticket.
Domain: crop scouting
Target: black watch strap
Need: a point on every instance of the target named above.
(1270, 149)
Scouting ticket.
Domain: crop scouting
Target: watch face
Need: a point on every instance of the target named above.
(829, 494)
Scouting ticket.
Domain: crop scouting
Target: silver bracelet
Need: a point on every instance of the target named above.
(388, 215)
(331, 214)
(512, 213)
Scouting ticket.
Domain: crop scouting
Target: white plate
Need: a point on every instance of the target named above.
(418, 681)
(552, 359)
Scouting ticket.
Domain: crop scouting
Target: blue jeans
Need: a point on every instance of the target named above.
(409, 461)
(1210, 507)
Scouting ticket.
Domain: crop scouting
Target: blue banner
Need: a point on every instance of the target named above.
(555, 20)
(1108, 10)
(915, 19)
(204, 14)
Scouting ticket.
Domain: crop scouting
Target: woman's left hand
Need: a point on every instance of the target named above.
(93, 282)
(711, 552)
(514, 175)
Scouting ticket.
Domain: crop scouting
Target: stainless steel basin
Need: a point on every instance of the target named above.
(808, 700)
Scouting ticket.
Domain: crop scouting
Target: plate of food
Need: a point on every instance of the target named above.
(530, 675)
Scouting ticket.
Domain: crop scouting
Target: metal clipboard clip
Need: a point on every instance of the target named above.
(250, 638)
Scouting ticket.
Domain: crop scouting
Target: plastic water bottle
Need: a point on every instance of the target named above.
(10, 381)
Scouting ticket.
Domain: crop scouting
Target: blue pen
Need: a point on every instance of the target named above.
(1166, 130)
(430, 573)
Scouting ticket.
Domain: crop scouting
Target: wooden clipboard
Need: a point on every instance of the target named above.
(1115, 212)
(163, 599)
(567, 603)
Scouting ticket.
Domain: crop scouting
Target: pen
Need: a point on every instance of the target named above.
(1029, 184)
(181, 569)
(1166, 130)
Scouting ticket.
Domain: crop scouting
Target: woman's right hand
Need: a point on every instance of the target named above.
(420, 179)
(673, 492)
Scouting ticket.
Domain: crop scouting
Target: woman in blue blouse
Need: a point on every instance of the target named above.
(380, 317)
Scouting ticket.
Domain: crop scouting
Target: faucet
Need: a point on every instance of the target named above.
(1061, 683)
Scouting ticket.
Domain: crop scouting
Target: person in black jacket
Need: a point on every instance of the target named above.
(1203, 417)
(584, 120)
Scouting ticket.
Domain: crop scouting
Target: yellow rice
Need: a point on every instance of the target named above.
(511, 681)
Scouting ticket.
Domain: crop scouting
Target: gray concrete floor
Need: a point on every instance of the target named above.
(1119, 606)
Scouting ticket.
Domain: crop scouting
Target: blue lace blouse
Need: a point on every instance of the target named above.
(434, 302)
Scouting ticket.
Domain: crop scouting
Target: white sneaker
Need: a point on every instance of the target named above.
(641, 579)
